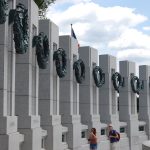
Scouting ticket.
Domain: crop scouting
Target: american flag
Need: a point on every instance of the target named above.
(73, 35)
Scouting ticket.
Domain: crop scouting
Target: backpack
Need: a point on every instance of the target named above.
(118, 139)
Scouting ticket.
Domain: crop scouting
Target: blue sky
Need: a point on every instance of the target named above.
(141, 6)
(116, 27)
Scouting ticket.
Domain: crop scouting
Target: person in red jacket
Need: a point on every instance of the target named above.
(93, 139)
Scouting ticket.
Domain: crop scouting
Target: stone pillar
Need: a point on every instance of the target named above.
(27, 86)
(10, 139)
(69, 95)
(89, 102)
(146, 145)
(107, 94)
(144, 101)
(128, 104)
(49, 91)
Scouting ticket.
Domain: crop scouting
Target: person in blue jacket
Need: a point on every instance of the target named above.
(113, 138)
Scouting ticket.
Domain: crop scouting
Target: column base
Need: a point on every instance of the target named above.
(133, 132)
(28, 122)
(29, 126)
(8, 124)
(73, 123)
(32, 139)
(11, 141)
(91, 121)
(52, 124)
(114, 120)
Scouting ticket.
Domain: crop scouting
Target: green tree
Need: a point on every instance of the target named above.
(43, 5)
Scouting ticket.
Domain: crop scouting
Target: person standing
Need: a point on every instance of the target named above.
(113, 137)
(93, 139)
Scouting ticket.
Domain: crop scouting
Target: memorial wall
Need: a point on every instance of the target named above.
(53, 92)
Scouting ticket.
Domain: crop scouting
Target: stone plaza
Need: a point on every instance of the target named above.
(52, 92)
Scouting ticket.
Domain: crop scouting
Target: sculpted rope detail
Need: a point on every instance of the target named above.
(20, 29)
(3, 11)
(98, 76)
(42, 50)
(60, 61)
(117, 81)
(79, 68)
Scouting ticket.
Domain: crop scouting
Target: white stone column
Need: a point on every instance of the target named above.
(128, 104)
(107, 94)
(49, 91)
(144, 97)
(10, 139)
(69, 95)
(88, 92)
(27, 86)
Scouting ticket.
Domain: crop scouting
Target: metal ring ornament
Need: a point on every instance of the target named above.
(135, 84)
(98, 76)
(61, 62)
(117, 81)
(20, 29)
(42, 49)
(79, 68)
(3, 11)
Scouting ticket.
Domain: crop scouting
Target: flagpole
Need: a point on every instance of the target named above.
(71, 28)
(73, 35)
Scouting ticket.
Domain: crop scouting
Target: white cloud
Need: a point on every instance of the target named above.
(112, 28)
(131, 38)
(147, 28)
(140, 56)
(93, 13)
(132, 53)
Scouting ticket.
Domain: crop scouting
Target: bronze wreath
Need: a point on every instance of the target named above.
(3, 11)
(98, 76)
(20, 29)
(60, 61)
(77, 66)
(135, 86)
(117, 81)
(42, 49)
